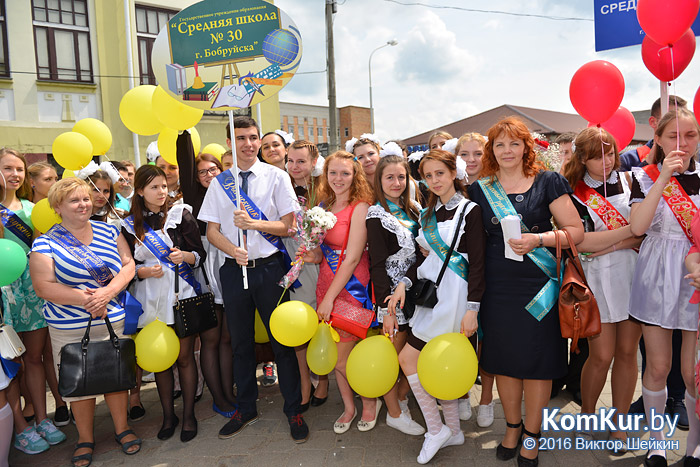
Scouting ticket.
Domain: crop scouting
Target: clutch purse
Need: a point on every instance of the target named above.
(355, 320)
(424, 291)
(92, 368)
(196, 314)
(11, 346)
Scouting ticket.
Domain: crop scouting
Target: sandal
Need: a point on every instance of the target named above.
(83, 457)
(526, 461)
(503, 453)
(126, 445)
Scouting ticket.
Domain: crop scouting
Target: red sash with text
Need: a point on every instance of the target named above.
(678, 201)
(601, 206)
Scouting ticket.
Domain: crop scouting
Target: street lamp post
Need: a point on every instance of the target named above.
(392, 43)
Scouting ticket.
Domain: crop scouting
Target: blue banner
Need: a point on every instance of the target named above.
(354, 286)
(616, 24)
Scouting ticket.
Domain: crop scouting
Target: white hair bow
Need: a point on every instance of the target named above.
(152, 152)
(371, 137)
(111, 171)
(391, 149)
(450, 145)
(461, 169)
(287, 137)
(88, 170)
(318, 168)
(349, 144)
(416, 156)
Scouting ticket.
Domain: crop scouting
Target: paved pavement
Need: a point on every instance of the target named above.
(267, 442)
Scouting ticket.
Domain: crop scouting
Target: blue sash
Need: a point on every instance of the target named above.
(9, 367)
(155, 245)
(401, 215)
(228, 183)
(547, 297)
(99, 271)
(457, 263)
(16, 225)
(354, 286)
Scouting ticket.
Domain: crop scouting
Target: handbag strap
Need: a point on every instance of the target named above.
(177, 279)
(572, 253)
(112, 335)
(347, 236)
(452, 246)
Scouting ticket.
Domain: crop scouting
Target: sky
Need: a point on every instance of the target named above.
(451, 64)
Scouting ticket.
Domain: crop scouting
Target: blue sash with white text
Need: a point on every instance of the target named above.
(99, 271)
(16, 225)
(155, 245)
(547, 297)
(228, 183)
(354, 286)
(457, 263)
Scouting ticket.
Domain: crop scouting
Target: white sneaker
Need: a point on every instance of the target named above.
(485, 415)
(455, 440)
(404, 406)
(465, 409)
(433, 443)
(405, 424)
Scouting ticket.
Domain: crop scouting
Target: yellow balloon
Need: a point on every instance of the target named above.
(215, 149)
(43, 216)
(67, 174)
(173, 113)
(167, 143)
(136, 111)
(157, 347)
(293, 323)
(97, 132)
(373, 367)
(322, 353)
(72, 150)
(261, 336)
(447, 366)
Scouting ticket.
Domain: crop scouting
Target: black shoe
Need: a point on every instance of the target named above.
(298, 428)
(61, 417)
(655, 461)
(678, 408)
(177, 394)
(637, 406)
(167, 433)
(198, 397)
(690, 461)
(137, 413)
(188, 435)
(525, 462)
(503, 453)
(304, 407)
(236, 424)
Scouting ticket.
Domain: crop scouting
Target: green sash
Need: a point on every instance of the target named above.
(457, 262)
(547, 297)
(401, 215)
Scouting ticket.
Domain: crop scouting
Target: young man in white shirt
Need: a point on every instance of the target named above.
(270, 189)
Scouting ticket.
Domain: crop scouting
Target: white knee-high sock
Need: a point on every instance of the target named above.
(6, 428)
(693, 442)
(655, 400)
(450, 410)
(427, 404)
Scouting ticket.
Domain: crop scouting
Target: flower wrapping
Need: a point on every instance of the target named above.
(312, 226)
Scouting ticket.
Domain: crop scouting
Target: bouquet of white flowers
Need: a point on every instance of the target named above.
(312, 226)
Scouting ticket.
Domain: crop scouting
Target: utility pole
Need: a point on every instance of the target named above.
(331, 8)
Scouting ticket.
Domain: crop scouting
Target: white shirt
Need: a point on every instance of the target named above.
(269, 188)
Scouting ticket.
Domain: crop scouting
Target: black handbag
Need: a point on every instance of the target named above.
(196, 314)
(424, 291)
(93, 368)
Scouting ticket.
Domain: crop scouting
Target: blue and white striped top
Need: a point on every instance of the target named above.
(71, 272)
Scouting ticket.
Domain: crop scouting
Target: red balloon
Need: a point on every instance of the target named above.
(666, 21)
(668, 62)
(596, 90)
(696, 106)
(621, 125)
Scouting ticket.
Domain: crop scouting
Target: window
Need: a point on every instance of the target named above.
(62, 40)
(301, 132)
(291, 129)
(311, 132)
(320, 132)
(4, 59)
(149, 22)
(347, 132)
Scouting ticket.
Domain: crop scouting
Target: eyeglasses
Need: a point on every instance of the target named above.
(211, 171)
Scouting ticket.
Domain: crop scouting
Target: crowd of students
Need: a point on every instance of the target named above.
(397, 216)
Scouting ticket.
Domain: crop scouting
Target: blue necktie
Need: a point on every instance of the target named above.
(244, 187)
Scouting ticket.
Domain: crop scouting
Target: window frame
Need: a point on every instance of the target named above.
(148, 38)
(5, 48)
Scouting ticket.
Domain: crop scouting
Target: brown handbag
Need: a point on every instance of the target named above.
(578, 310)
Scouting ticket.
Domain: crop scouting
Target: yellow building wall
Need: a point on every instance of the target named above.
(109, 53)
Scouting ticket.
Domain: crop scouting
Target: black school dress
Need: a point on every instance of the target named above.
(515, 343)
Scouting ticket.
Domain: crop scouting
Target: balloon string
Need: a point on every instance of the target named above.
(675, 99)
(605, 177)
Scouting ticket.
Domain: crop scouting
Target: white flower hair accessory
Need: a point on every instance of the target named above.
(573, 147)
(318, 168)
(111, 171)
(371, 137)
(461, 169)
(349, 144)
(152, 152)
(391, 149)
(450, 145)
(416, 156)
(88, 170)
(287, 137)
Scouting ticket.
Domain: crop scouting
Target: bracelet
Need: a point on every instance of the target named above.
(541, 240)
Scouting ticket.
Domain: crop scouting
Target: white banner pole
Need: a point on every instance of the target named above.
(241, 238)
